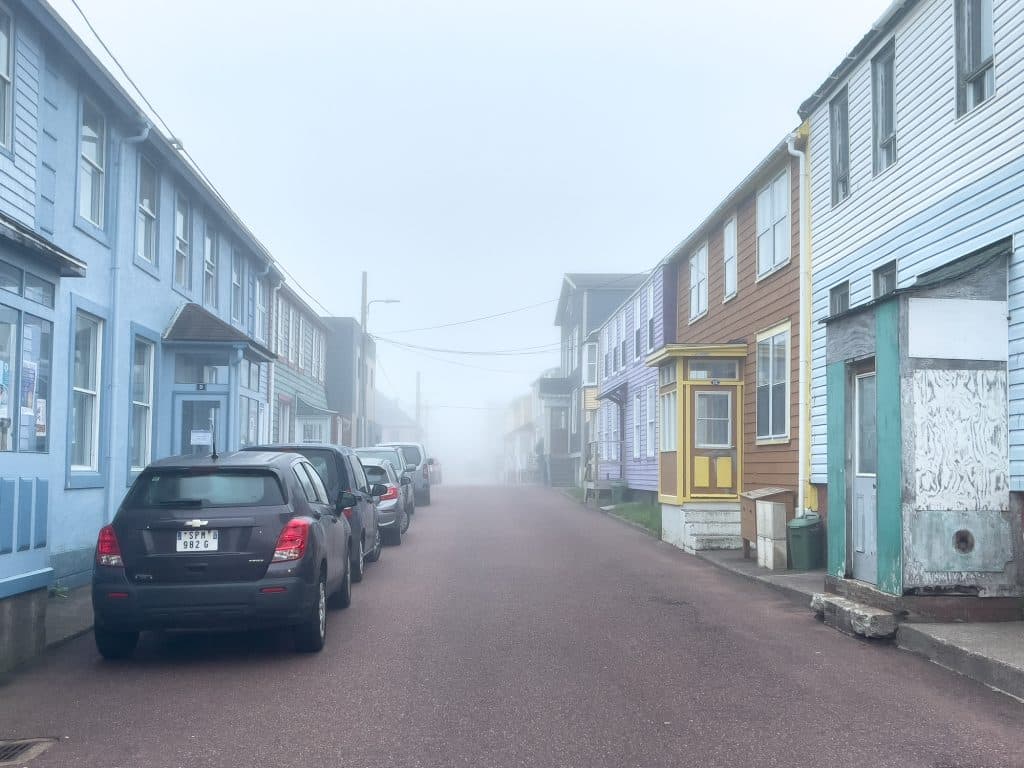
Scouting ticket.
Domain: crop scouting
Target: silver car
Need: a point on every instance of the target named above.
(403, 470)
(392, 519)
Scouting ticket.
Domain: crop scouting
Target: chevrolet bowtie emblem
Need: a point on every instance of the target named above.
(196, 523)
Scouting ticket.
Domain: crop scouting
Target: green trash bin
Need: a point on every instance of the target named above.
(806, 550)
(618, 491)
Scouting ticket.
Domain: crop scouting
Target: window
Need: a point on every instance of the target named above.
(623, 340)
(304, 481)
(248, 421)
(574, 416)
(6, 78)
(146, 218)
(602, 452)
(638, 424)
(223, 488)
(236, 287)
(606, 351)
(262, 320)
(140, 451)
(317, 483)
(306, 348)
(614, 445)
(773, 385)
(668, 421)
(296, 337)
(284, 421)
(709, 370)
(638, 328)
(652, 415)
(38, 290)
(210, 253)
(667, 374)
(85, 393)
(883, 102)
(713, 421)
(774, 238)
(590, 370)
(182, 243)
(699, 282)
(615, 344)
(839, 131)
(885, 279)
(839, 298)
(650, 317)
(92, 165)
(24, 384)
(975, 74)
(729, 257)
(312, 432)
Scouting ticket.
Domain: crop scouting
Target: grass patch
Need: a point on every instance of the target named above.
(574, 492)
(647, 515)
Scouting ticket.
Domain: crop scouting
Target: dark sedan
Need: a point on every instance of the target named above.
(244, 540)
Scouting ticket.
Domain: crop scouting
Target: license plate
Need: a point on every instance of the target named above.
(197, 541)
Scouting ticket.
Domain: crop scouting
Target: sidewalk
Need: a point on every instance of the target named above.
(68, 615)
(798, 586)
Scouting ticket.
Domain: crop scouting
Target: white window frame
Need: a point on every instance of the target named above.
(7, 81)
(574, 407)
(770, 337)
(878, 274)
(638, 326)
(615, 446)
(147, 404)
(93, 169)
(262, 308)
(669, 410)
(147, 216)
(652, 421)
(883, 104)
(237, 279)
(730, 258)
(95, 394)
(638, 423)
(182, 242)
(590, 364)
(774, 233)
(839, 145)
(699, 282)
(295, 350)
(304, 356)
(650, 328)
(211, 266)
(981, 68)
(697, 419)
(623, 338)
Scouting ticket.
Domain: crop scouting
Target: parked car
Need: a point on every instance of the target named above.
(342, 473)
(391, 514)
(394, 455)
(416, 454)
(241, 540)
(435, 471)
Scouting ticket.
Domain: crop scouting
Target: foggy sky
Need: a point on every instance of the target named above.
(468, 153)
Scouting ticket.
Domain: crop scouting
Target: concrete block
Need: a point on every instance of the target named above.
(855, 618)
(22, 627)
(771, 553)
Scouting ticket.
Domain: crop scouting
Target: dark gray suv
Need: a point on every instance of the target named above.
(243, 540)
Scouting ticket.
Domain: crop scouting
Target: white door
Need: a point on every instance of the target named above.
(865, 458)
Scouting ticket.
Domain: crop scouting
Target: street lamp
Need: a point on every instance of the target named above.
(361, 438)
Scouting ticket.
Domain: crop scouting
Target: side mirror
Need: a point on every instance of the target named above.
(410, 467)
(378, 490)
(346, 500)
(406, 480)
(430, 462)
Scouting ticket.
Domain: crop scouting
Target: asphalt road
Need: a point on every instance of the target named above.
(515, 628)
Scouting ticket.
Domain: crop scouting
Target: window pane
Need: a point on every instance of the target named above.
(763, 362)
(139, 449)
(36, 361)
(142, 372)
(5, 45)
(8, 349)
(10, 278)
(765, 257)
(867, 447)
(984, 23)
(82, 435)
(147, 186)
(764, 205)
(39, 290)
(779, 361)
(763, 412)
(779, 195)
(93, 135)
(86, 350)
(778, 426)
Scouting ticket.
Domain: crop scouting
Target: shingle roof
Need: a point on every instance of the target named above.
(195, 324)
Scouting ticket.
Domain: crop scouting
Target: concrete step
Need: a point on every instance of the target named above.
(703, 542)
(854, 618)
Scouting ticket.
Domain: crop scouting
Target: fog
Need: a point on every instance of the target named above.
(467, 154)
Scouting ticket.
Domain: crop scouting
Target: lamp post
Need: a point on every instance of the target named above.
(364, 368)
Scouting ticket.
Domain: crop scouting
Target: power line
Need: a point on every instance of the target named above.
(466, 365)
(181, 149)
(537, 350)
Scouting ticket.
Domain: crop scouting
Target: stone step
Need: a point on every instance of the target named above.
(853, 618)
(703, 542)
(711, 529)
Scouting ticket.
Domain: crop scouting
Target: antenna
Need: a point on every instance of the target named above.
(213, 436)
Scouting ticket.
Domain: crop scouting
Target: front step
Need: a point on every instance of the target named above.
(854, 618)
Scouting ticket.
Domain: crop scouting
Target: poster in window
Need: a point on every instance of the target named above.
(29, 369)
(41, 417)
(5, 389)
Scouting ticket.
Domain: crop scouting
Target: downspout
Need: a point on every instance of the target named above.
(803, 384)
(114, 301)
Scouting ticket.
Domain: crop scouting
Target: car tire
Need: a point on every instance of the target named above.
(115, 645)
(311, 634)
(395, 538)
(424, 500)
(403, 524)
(343, 597)
(358, 563)
(374, 555)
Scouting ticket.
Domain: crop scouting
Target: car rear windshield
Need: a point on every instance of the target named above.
(412, 454)
(376, 474)
(391, 454)
(203, 488)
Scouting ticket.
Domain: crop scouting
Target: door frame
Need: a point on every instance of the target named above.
(856, 372)
(223, 443)
(734, 391)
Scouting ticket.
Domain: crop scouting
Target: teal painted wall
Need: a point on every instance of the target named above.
(289, 382)
(890, 449)
(836, 430)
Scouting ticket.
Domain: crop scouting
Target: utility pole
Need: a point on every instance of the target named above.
(363, 369)
(419, 405)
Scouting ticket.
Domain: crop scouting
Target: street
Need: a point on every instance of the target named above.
(514, 627)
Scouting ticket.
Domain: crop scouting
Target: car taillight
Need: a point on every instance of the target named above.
(391, 494)
(291, 544)
(426, 472)
(108, 550)
(347, 512)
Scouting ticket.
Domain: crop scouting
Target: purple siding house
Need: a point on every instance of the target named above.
(626, 446)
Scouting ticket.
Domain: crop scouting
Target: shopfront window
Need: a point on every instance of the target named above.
(85, 393)
(140, 449)
(36, 357)
(8, 350)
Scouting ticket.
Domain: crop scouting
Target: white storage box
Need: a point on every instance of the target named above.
(771, 519)
(771, 553)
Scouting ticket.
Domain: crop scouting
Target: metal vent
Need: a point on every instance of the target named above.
(19, 751)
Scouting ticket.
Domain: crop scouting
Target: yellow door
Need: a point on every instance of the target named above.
(714, 437)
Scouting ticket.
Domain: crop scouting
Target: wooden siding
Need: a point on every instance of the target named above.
(758, 305)
(640, 473)
(956, 187)
(18, 169)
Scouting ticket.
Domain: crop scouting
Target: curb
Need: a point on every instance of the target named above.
(794, 595)
(630, 523)
(988, 671)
